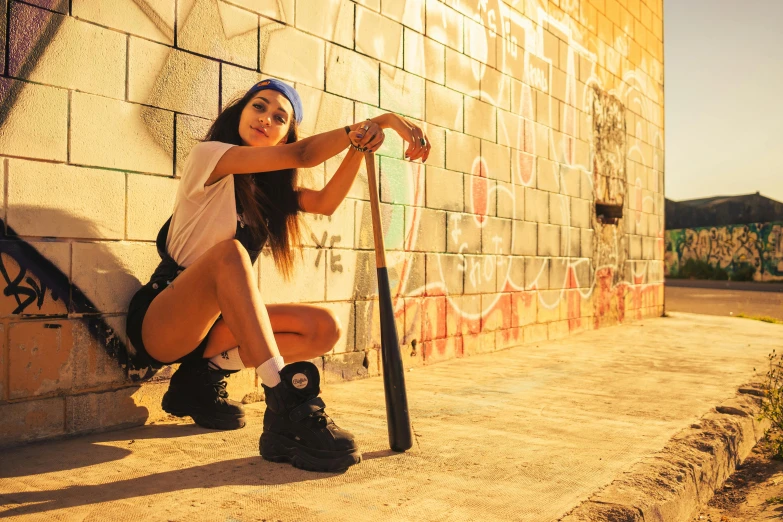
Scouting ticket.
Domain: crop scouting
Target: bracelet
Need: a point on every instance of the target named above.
(360, 149)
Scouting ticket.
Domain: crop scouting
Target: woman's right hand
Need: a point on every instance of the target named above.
(418, 143)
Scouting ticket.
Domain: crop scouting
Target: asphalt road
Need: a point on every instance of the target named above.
(722, 298)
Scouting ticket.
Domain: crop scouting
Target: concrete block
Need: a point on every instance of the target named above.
(219, 30)
(402, 92)
(524, 308)
(634, 247)
(363, 71)
(412, 330)
(293, 55)
(63, 62)
(507, 203)
(150, 203)
(359, 189)
(509, 338)
(478, 343)
(31, 296)
(523, 100)
(96, 411)
(32, 420)
(463, 315)
(40, 358)
(544, 109)
(496, 312)
(442, 349)
(425, 229)
(570, 181)
(648, 248)
(155, 21)
(480, 277)
(586, 242)
(444, 189)
(409, 13)
(350, 274)
(433, 318)
(281, 10)
(462, 151)
(375, 5)
(480, 44)
(497, 159)
(444, 274)
(324, 112)
(480, 196)
(52, 200)
(535, 333)
(170, 79)
(559, 209)
(511, 130)
(580, 213)
(583, 274)
(392, 220)
(234, 83)
(571, 241)
(548, 240)
(547, 177)
(94, 362)
(332, 20)
(444, 24)
(462, 73)
(559, 273)
(523, 168)
(332, 231)
(378, 36)
(36, 126)
(424, 56)
(110, 273)
(397, 183)
(464, 234)
(437, 138)
(524, 238)
(480, 119)
(189, 131)
(308, 283)
(549, 304)
(536, 205)
(541, 142)
(511, 273)
(120, 135)
(443, 106)
(496, 236)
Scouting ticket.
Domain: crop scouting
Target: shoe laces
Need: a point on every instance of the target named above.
(220, 389)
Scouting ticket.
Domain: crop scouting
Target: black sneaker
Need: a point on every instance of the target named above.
(198, 390)
(296, 428)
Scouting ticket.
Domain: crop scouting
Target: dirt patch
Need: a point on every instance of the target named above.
(753, 493)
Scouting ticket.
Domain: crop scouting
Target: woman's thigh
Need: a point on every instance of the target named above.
(181, 316)
(302, 331)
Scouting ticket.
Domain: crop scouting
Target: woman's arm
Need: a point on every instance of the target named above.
(326, 200)
(306, 153)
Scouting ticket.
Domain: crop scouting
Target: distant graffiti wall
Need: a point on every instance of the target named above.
(537, 110)
(757, 244)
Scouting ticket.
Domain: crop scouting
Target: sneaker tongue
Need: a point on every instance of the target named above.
(302, 378)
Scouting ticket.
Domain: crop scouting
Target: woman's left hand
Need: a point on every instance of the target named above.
(418, 143)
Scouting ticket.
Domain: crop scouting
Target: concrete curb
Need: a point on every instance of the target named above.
(672, 484)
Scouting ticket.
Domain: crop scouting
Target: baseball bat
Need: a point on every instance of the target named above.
(397, 418)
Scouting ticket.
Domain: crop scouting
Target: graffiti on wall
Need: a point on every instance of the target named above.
(729, 247)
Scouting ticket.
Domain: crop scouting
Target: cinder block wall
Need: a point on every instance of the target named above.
(729, 247)
(538, 110)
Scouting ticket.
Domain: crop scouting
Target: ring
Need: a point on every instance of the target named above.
(422, 142)
(365, 127)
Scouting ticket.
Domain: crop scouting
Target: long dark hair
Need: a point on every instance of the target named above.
(268, 199)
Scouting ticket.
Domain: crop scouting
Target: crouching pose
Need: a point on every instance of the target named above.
(201, 307)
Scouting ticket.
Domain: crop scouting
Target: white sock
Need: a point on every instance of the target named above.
(270, 371)
(228, 360)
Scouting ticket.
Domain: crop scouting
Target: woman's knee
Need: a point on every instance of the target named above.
(230, 254)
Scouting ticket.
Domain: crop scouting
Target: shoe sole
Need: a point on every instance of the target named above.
(275, 448)
(213, 421)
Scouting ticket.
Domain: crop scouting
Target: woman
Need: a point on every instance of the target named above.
(201, 307)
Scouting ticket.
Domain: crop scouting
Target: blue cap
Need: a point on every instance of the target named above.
(284, 89)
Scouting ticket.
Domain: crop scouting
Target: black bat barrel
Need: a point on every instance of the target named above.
(397, 418)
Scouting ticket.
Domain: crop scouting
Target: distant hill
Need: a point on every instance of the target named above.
(722, 210)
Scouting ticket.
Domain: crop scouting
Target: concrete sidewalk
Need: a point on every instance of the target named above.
(614, 424)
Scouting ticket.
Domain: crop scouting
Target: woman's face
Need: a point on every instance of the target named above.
(265, 120)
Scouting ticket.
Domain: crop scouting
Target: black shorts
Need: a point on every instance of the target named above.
(136, 311)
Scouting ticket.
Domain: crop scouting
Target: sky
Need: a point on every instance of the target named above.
(723, 88)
